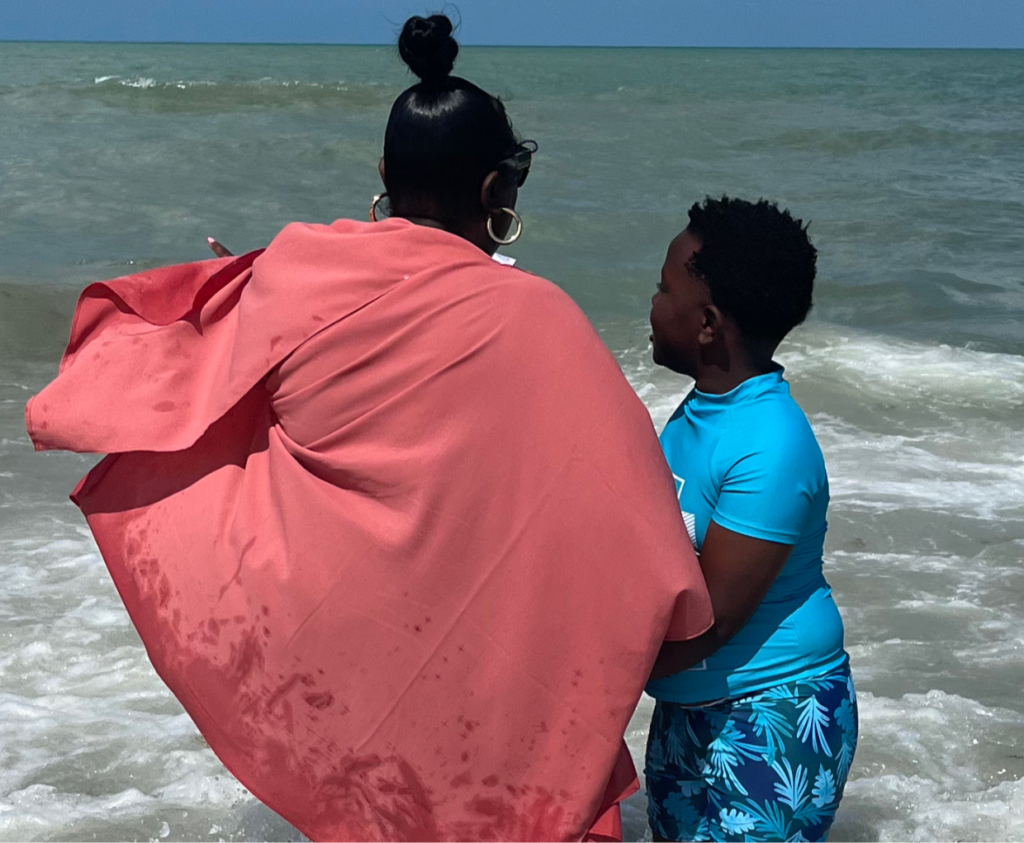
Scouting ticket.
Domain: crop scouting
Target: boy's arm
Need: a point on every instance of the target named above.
(738, 570)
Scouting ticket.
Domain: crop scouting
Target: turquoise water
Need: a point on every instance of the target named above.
(910, 165)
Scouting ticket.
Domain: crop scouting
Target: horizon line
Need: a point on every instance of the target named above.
(498, 46)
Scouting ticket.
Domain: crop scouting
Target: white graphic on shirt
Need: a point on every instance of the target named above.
(689, 519)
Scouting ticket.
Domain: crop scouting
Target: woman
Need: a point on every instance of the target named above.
(754, 740)
(392, 525)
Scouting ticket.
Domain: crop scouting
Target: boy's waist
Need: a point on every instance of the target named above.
(781, 642)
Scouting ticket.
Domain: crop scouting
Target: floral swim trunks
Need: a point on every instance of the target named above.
(771, 766)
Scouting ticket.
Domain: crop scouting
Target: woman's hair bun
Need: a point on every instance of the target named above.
(427, 46)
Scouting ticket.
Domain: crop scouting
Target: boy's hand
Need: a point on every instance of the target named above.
(739, 570)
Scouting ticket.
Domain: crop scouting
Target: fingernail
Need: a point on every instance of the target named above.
(210, 240)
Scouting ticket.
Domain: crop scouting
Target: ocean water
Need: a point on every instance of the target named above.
(910, 165)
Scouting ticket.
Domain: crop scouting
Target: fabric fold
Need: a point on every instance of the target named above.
(373, 502)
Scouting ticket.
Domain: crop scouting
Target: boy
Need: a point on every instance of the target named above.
(756, 720)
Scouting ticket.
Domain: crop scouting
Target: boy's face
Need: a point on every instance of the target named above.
(677, 309)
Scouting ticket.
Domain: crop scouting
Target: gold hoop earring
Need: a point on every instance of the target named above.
(508, 241)
(373, 205)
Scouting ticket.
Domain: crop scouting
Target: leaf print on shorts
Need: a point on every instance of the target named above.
(811, 724)
(766, 767)
(824, 787)
(735, 821)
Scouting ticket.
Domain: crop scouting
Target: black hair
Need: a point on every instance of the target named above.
(757, 262)
(444, 134)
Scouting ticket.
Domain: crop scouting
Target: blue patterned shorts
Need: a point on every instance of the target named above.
(771, 766)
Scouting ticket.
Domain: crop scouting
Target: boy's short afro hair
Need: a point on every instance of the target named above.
(757, 263)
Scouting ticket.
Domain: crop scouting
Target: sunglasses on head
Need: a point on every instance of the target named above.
(521, 160)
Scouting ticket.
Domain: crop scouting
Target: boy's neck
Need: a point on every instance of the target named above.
(726, 372)
(718, 382)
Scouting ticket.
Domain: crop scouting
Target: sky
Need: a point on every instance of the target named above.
(656, 23)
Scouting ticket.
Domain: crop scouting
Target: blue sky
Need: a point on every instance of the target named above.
(705, 23)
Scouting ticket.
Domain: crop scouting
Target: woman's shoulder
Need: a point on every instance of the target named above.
(530, 286)
(371, 259)
(522, 294)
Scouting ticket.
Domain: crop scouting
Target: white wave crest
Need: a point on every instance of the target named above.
(952, 470)
(884, 367)
(139, 82)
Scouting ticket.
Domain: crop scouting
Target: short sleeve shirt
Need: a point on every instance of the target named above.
(748, 460)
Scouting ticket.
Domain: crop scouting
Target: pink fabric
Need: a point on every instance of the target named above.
(390, 522)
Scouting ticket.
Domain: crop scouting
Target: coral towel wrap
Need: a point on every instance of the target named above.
(392, 525)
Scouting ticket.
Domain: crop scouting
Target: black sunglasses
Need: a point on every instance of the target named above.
(521, 160)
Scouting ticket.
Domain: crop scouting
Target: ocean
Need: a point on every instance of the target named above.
(910, 167)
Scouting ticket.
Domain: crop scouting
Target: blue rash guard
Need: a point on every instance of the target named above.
(749, 461)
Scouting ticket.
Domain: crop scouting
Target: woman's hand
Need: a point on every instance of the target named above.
(218, 249)
(738, 570)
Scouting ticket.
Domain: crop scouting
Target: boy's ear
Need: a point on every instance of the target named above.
(710, 324)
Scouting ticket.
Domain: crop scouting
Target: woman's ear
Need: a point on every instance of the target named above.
(496, 192)
(489, 199)
(380, 169)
